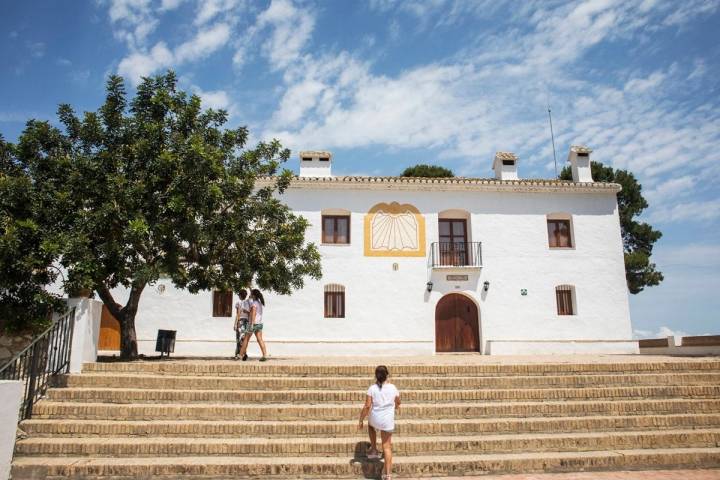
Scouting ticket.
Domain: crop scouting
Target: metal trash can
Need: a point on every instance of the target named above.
(165, 343)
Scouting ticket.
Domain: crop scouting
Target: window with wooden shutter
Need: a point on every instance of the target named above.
(564, 295)
(334, 301)
(222, 303)
(559, 233)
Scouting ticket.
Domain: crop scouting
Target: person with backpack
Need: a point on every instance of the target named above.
(381, 403)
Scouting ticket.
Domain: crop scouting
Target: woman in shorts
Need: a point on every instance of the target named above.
(381, 402)
(257, 304)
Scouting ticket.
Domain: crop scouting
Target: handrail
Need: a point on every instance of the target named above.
(456, 254)
(41, 361)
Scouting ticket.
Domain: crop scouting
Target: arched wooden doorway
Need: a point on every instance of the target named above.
(456, 324)
(109, 331)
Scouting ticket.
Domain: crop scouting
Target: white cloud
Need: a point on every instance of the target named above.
(37, 49)
(166, 5)
(662, 332)
(694, 211)
(640, 85)
(701, 255)
(209, 9)
(672, 188)
(205, 42)
(215, 99)
(291, 29)
(137, 65)
(134, 20)
(699, 70)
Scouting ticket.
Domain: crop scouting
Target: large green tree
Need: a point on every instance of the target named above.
(157, 186)
(422, 170)
(27, 251)
(638, 237)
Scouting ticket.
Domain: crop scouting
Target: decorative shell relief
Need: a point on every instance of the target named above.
(394, 231)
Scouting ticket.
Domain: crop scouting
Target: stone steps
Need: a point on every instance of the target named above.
(126, 395)
(211, 382)
(343, 447)
(349, 369)
(330, 467)
(343, 428)
(332, 411)
(225, 419)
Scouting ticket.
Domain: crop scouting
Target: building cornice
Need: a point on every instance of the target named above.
(448, 184)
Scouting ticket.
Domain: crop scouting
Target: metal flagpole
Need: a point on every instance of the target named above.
(552, 136)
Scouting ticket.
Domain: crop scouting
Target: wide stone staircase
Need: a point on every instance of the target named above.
(218, 419)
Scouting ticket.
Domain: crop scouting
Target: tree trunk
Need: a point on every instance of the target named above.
(126, 316)
(128, 338)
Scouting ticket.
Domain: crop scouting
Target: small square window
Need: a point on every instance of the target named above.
(324, 159)
(508, 163)
(336, 229)
(559, 234)
(307, 159)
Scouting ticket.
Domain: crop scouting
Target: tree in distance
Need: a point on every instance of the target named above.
(158, 186)
(638, 237)
(427, 171)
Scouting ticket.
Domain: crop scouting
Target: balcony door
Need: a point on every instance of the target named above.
(456, 324)
(453, 241)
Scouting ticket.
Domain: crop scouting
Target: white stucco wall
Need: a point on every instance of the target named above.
(390, 311)
(10, 397)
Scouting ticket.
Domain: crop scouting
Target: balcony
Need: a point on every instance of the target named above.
(455, 254)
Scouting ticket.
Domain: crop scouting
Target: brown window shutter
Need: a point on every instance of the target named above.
(222, 303)
(334, 300)
(563, 296)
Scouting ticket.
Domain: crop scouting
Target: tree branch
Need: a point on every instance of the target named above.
(107, 298)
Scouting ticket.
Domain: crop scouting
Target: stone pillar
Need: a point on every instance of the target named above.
(86, 332)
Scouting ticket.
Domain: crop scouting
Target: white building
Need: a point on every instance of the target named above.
(423, 265)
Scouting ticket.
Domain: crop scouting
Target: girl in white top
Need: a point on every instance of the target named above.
(382, 401)
(257, 305)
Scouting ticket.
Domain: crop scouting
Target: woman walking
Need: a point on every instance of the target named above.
(257, 304)
(382, 401)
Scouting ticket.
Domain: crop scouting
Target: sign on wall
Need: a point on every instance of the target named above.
(394, 230)
(456, 278)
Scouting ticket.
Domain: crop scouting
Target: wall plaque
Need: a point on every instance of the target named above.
(456, 278)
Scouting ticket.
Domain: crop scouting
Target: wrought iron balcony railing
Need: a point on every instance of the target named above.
(456, 254)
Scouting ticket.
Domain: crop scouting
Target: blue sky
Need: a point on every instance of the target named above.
(390, 83)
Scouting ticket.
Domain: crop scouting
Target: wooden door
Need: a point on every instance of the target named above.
(456, 324)
(109, 331)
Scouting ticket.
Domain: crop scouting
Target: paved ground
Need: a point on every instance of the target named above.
(643, 475)
(452, 359)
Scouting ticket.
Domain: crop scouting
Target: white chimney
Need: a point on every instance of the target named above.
(505, 166)
(579, 158)
(315, 164)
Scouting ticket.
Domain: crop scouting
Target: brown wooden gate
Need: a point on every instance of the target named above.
(456, 324)
(109, 331)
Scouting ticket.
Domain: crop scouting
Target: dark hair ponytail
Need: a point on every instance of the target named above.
(258, 296)
(381, 374)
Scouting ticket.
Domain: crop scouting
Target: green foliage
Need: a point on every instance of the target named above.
(638, 237)
(157, 186)
(26, 251)
(427, 171)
